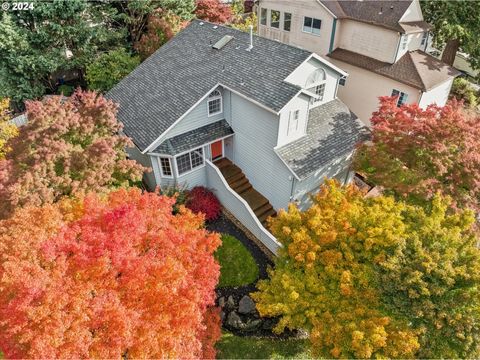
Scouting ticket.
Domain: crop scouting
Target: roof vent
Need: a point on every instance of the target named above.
(201, 23)
(222, 42)
(215, 27)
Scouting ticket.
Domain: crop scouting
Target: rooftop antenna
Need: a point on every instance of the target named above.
(250, 47)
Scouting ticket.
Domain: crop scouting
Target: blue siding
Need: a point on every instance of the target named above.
(256, 132)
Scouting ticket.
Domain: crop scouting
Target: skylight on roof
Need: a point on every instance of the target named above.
(222, 42)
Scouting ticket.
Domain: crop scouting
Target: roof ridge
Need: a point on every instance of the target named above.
(416, 68)
(254, 35)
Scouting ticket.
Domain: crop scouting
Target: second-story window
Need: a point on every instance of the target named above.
(312, 25)
(316, 83)
(263, 16)
(287, 21)
(214, 103)
(402, 97)
(424, 38)
(319, 91)
(275, 18)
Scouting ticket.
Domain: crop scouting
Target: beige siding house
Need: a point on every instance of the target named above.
(380, 44)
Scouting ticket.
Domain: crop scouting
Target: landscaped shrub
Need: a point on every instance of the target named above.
(200, 199)
(179, 192)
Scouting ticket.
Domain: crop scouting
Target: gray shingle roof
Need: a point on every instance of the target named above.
(415, 68)
(333, 132)
(182, 71)
(194, 138)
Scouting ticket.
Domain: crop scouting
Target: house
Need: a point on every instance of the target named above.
(257, 121)
(380, 44)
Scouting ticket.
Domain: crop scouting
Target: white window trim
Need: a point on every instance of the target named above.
(400, 92)
(283, 22)
(266, 17)
(279, 19)
(312, 89)
(311, 32)
(212, 99)
(193, 169)
(161, 168)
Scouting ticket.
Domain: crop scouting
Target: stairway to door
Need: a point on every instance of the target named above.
(239, 183)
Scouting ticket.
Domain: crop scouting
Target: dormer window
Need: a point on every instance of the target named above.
(316, 83)
(424, 38)
(214, 103)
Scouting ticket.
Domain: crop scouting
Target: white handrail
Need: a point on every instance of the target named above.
(247, 207)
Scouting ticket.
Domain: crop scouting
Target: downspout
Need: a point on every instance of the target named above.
(291, 190)
(332, 37)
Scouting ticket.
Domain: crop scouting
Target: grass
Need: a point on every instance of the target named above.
(236, 347)
(237, 265)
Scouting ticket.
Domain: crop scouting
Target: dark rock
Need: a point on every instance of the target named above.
(221, 302)
(246, 305)
(230, 303)
(269, 323)
(235, 321)
(252, 325)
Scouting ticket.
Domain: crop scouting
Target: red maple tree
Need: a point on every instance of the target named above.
(416, 152)
(107, 277)
(69, 146)
(213, 11)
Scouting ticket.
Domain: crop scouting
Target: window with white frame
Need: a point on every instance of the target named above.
(424, 38)
(342, 81)
(287, 21)
(316, 83)
(214, 103)
(312, 25)
(402, 97)
(166, 167)
(293, 119)
(263, 16)
(320, 92)
(189, 161)
(275, 18)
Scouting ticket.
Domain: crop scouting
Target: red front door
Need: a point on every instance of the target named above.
(217, 150)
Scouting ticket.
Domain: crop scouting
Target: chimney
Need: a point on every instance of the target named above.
(250, 47)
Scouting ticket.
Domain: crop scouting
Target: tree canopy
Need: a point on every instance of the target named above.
(371, 277)
(69, 146)
(56, 36)
(107, 277)
(109, 68)
(416, 153)
(214, 11)
(456, 26)
(7, 130)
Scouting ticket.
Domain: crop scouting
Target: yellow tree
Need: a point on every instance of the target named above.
(337, 257)
(7, 130)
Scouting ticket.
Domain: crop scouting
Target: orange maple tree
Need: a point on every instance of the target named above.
(107, 277)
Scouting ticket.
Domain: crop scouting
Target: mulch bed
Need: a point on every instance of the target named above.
(224, 226)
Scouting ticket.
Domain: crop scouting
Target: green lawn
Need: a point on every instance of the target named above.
(237, 266)
(236, 347)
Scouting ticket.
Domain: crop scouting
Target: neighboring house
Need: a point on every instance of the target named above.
(380, 44)
(258, 123)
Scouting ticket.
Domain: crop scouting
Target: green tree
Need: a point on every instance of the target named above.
(109, 68)
(344, 261)
(7, 130)
(456, 25)
(462, 89)
(55, 36)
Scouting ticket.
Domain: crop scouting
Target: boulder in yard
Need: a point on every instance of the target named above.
(246, 305)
